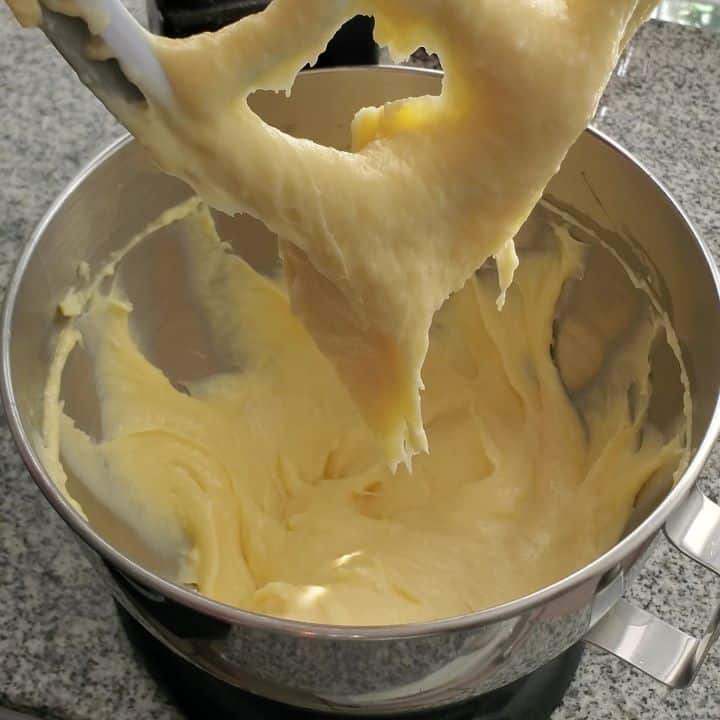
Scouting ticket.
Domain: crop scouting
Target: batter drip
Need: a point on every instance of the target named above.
(375, 240)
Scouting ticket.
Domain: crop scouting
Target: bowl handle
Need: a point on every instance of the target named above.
(648, 643)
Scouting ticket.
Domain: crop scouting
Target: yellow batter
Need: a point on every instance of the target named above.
(273, 495)
(374, 241)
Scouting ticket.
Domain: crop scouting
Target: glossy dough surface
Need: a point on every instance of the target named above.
(375, 240)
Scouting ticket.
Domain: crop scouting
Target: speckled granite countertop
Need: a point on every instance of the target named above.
(63, 653)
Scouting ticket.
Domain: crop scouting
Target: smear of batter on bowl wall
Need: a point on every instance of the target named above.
(268, 489)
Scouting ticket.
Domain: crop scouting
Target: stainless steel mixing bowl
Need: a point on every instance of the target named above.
(411, 667)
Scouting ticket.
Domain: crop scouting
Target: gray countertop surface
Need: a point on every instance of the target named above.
(63, 653)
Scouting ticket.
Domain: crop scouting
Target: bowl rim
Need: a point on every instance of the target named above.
(631, 543)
